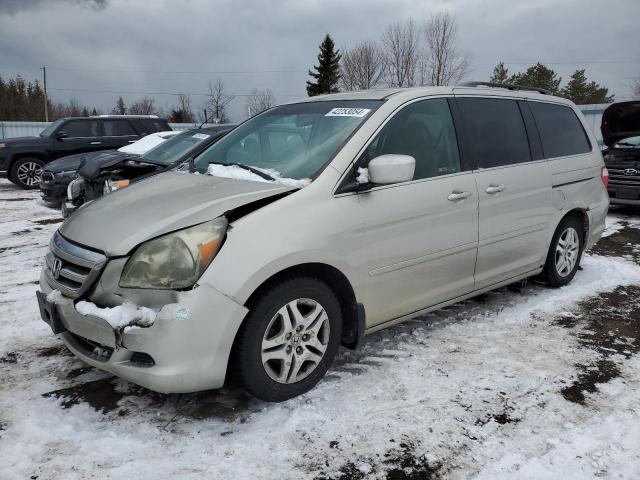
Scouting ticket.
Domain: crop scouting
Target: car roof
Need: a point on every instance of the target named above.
(405, 94)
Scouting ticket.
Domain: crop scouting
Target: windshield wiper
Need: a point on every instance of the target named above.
(257, 171)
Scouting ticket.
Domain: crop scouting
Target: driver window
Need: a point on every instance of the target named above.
(425, 131)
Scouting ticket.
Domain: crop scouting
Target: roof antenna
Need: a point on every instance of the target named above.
(205, 118)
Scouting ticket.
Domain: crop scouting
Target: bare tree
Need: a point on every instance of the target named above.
(362, 66)
(144, 106)
(443, 64)
(217, 102)
(401, 53)
(259, 101)
(635, 87)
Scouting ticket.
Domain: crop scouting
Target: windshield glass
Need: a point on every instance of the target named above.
(297, 140)
(51, 128)
(176, 147)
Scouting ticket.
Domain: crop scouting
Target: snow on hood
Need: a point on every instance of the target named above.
(148, 142)
(238, 173)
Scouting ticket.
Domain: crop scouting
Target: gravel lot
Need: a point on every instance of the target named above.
(523, 382)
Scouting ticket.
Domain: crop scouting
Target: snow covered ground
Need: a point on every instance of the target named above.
(524, 382)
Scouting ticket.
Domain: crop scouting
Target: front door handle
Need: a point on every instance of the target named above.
(493, 189)
(96, 143)
(457, 195)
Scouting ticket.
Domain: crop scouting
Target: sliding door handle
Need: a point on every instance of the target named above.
(96, 143)
(493, 189)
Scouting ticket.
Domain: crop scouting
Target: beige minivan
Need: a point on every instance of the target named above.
(317, 222)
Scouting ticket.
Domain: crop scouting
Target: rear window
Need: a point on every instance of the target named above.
(117, 128)
(560, 130)
(494, 132)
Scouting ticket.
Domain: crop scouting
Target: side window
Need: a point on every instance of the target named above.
(81, 128)
(560, 130)
(117, 128)
(494, 132)
(155, 125)
(425, 131)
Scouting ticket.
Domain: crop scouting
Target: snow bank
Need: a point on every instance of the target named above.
(238, 173)
(120, 316)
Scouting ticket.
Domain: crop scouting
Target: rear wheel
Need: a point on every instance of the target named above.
(26, 172)
(565, 252)
(288, 341)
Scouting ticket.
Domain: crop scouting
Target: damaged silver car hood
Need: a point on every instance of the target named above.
(117, 223)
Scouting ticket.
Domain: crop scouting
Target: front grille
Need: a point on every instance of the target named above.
(70, 268)
(47, 177)
(618, 177)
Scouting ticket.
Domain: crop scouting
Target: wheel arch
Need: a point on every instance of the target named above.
(353, 315)
(583, 217)
(19, 156)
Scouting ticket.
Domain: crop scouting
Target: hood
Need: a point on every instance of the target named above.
(116, 223)
(620, 121)
(19, 141)
(91, 165)
(71, 162)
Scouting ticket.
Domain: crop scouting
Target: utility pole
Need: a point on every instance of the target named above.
(46, 102)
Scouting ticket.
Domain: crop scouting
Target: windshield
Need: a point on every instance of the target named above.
(629, 142)
(297, 140)
(51, 128)
(176, 147)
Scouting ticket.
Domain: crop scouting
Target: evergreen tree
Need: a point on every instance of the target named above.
(500, 74)
(538, 76)
(327, 72)
(581, 92)
(120, 108)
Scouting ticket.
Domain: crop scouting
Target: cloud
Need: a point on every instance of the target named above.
(14, 6)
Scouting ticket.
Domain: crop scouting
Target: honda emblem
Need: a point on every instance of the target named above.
(57, 266)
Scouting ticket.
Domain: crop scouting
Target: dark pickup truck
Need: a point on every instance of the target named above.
(22, 159)
(621, 133)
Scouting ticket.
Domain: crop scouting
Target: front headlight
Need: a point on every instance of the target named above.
(176, 260)
(113, 185)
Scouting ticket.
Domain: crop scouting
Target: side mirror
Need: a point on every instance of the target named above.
(391, 168)
(61, 135)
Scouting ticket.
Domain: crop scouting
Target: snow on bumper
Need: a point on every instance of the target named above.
(189, 341)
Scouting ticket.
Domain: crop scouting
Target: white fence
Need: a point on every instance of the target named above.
(593, 114)
(31, 129)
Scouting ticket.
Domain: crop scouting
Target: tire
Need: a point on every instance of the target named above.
(274, 362)
(25, 172)
(565, 252)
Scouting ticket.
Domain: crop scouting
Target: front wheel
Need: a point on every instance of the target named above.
(565, 252)
(26, 172)
(288, 341)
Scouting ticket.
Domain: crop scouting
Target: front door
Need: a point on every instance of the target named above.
(83, 135)
(420, 236)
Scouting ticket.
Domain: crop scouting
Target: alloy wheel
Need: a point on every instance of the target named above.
(29, 173)
(295, 341)
(567, 251)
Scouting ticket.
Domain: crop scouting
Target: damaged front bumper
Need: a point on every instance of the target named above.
(186, 349)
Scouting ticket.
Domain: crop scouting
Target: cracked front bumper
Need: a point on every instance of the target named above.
(186, 349)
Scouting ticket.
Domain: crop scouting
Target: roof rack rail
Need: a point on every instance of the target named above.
(507, 86)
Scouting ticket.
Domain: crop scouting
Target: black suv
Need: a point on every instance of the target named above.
(22, 159)
(621, 133)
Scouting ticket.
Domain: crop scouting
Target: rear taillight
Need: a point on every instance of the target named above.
(604, 176)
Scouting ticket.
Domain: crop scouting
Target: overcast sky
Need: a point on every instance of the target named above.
(97, 49)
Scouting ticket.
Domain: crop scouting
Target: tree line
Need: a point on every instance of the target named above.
(408, 54)
(21, 100)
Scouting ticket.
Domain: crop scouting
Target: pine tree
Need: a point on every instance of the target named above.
(500, 74)
(327, 72)
(120, 108)
(538, 76)
(581, 92)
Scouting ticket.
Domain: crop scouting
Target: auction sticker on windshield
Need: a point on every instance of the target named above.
(201, 136)
(348, 112)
